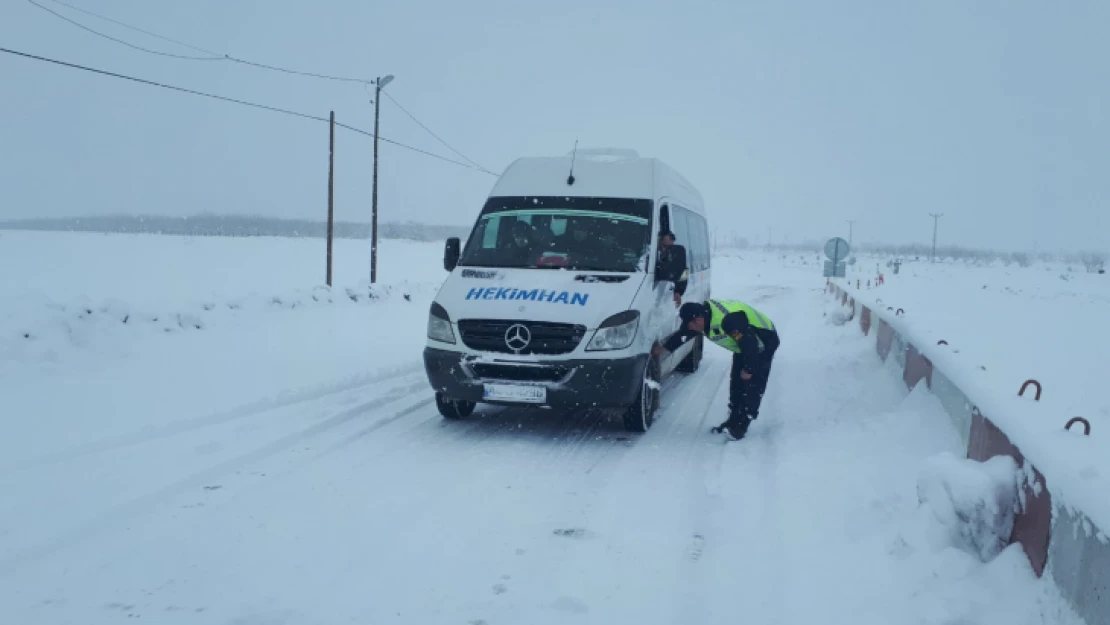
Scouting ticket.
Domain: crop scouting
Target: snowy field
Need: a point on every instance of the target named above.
(159, 271)
(286, 465)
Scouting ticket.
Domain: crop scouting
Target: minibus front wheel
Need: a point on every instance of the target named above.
(454, 408)
(641, 414)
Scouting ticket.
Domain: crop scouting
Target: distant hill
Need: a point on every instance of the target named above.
(235, 226)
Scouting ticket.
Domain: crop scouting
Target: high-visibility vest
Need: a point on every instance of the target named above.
(718, 308)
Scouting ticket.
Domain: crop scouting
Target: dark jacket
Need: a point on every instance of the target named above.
(770, 340)
(672, 267)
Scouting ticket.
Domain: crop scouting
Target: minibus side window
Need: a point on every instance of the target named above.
(664, 224)
(680, 228)
(703, 241)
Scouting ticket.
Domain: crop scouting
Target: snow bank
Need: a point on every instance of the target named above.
(836, 314)
(101, 293)
(976, 501)
(949, 585)
(34, 331)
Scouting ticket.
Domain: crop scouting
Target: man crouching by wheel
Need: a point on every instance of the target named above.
(753, 340)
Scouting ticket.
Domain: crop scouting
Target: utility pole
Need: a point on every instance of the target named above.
(936, 217)
(379, 84)
(851, 222)
(331, 194)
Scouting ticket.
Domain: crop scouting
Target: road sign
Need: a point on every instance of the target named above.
(834, 271)
(837, 249)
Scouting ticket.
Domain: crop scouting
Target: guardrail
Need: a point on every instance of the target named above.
(1058, 538)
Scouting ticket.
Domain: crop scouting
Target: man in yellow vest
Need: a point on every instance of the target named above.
(753, 340)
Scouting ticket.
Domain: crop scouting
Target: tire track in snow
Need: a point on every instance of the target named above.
(424, 440)
(568, 437)
(120, 513)
(599, 435)
(377, 425)
(374, 452)
(519, 458)
(220, 418)
(380, 424)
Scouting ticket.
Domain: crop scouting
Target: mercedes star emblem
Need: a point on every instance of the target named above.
(517, 337)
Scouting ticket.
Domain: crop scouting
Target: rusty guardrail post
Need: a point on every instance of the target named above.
(1086, 425)
(1026, 384)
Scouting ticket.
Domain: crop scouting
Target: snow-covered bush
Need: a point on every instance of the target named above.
(837, 314)
(975, 501)
(1094, 262)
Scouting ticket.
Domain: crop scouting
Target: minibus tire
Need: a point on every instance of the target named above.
(454, 408)
(641, 414)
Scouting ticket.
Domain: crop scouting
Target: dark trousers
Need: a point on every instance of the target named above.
(745, 396)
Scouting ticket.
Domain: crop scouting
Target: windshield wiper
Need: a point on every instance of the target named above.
(598, 268)
(488, 266)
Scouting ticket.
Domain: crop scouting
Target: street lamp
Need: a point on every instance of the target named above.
(379, 84)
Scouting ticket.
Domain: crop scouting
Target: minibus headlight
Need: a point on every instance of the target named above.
(616, 332)
(439, 325)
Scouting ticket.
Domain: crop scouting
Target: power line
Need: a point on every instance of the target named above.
(235, 101)
(437, 137)
(214, 56)
(128, 26)
(120, 41)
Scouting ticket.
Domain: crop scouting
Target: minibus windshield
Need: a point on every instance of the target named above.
(577, 233)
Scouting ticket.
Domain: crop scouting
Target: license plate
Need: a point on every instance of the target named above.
(516, 392)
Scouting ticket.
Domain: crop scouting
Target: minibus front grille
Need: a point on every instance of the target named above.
(516, 373)
(545, 338)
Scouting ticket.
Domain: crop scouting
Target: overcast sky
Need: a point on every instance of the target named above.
(791, 117)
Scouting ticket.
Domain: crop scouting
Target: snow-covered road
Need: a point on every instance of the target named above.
(359, 504)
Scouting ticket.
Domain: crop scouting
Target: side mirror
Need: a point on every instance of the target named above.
(451, 254)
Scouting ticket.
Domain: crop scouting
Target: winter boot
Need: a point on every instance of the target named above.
(738, 428)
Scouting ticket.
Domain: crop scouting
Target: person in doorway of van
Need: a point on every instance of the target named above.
(670, 264)
(753, 340)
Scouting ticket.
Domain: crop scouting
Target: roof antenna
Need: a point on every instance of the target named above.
(570, 178)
